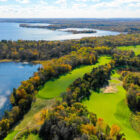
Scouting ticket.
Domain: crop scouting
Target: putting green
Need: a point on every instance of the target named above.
(112, 107)
(55, 87)
(136, 48)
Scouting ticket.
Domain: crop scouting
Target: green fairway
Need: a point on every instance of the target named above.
(31, 137)
(136, 48)
(11, 135)
(112, 107)
(54, 88)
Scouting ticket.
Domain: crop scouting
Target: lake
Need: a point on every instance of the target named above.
(11, 74)
(12, 31)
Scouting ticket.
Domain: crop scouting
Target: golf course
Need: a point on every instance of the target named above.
(110, 104)
(48, 91)
(136, 49)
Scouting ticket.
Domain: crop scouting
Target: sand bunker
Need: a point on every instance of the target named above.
(110, 89)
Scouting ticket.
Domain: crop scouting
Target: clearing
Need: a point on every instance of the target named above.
(136, 48)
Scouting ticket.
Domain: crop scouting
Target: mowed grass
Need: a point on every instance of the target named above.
(11, 135)
(55, 87)
(31, 137)
(136, 48)
(112, 107)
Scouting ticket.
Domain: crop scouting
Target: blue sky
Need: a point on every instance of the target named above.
(69, 8)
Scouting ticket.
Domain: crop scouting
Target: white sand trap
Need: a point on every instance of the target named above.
(110, 89)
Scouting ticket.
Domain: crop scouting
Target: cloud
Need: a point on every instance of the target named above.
(61, 2)
(64, 9)
(23, 1)
(3, 0)
(43, 2)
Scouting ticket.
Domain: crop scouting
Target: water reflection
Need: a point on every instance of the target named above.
(11, 74)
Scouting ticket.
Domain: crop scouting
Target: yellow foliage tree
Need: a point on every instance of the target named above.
(115, 130)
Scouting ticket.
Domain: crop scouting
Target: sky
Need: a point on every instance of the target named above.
(69, 8)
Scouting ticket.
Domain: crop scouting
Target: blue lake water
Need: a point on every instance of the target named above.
(11, 74)
(12, 31)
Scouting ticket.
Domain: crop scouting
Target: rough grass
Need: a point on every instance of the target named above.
(136, 48)
(55, 87)
(11, 135)
(113, 108)
(28, 120)
(135, 121)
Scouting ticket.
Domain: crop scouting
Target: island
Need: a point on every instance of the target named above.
(33, 26)
(81, 32)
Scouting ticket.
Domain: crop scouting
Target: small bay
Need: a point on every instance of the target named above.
(11, 76)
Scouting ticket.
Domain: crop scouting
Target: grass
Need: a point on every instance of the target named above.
(112, 107)
(135, 121)
(11, 135)
(28, 119)
(136, 48)
(55, 87)
(31, 137)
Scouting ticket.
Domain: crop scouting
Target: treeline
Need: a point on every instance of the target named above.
(44, 50)
(121, 25)
(111, 27)
(131, 82)
(112, 41)
(34, 50)
(126, 58)
(23, 96)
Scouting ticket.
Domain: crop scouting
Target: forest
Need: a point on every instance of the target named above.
(44, 50)
(68, 118)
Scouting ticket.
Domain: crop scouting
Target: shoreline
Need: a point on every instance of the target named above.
(18, 61)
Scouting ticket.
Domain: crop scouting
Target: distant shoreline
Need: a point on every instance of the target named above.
(53, 27)
(32, 26)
